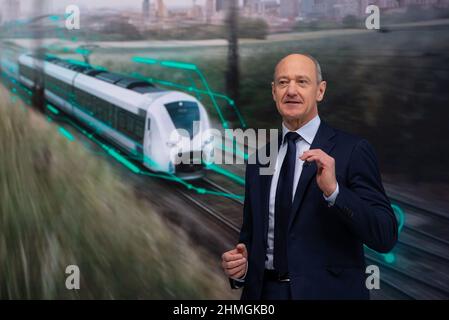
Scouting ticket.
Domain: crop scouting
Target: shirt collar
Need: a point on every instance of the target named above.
(307, 131)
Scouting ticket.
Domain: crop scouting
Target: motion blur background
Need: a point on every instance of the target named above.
(388, 85)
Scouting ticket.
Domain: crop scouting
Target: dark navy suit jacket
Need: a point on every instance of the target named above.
(325, 244)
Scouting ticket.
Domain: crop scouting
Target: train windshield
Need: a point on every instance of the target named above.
(183, 115)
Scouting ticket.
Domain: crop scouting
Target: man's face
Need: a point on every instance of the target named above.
(296, 90)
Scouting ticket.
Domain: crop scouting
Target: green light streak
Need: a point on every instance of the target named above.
(226, 173)
(52, 109)
(82, 51)
(389, 258)
(66, 134)
(227, 195)
(400, 216)
(122, 159)
(212, 97)
(179, 65)
(144, 60)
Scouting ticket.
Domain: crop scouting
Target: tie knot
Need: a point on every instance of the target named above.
(291, 136)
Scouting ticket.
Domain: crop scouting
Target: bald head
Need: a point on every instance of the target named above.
(297, 58)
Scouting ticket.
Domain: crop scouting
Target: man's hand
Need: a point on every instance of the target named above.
(234, 261)
(325, 176)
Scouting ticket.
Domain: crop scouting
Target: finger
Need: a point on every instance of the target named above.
(230, 252)
(238, 271)
(238, 275)
(231, 257)
(315, 158)
(241, 247)
(233, 271)
(314, 152)
(234, 264)
(230, 266)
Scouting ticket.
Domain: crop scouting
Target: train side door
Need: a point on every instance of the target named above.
(148, 138)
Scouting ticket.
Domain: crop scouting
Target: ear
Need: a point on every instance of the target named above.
(321, 90)
(273, 91)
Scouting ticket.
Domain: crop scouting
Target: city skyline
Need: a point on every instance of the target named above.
(131, 4)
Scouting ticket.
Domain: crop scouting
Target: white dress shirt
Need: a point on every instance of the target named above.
(307, 133)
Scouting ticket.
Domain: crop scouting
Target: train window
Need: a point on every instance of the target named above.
(27, 72)
(183, 114)
(57, 86)
(129, 124)
(121, 121)
(149, 124)
(139, 130)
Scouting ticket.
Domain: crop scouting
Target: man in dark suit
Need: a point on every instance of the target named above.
(305, 225)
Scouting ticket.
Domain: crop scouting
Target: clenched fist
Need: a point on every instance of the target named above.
(234, 261)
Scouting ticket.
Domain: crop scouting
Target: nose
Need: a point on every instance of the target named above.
(291, 89)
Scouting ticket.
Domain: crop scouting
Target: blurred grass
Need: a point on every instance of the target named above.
(61, 206)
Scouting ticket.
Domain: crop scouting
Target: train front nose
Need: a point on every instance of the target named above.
(188, 160)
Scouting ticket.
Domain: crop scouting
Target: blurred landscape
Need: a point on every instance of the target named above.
(60, 206)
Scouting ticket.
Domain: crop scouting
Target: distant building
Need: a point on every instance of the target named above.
(253, 7)
(289, 9)
(270, 7)
(161, 12)
(306, 7)
(343, 8)
(221, 5)
(196, 11)
(209, 10)
(146, 10)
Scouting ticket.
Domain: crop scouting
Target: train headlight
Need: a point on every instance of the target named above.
(174, 141)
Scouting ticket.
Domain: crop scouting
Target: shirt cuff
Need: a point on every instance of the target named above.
(242, 279)
(331, 199)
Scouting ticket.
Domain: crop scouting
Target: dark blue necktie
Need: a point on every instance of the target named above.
(283, 204)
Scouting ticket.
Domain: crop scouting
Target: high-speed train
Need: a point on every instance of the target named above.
(156, 126)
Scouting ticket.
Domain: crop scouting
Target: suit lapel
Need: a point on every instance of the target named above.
(265, 187)
(265, 184)
(322, 141)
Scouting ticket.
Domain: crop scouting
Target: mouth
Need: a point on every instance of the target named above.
(293, 102)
